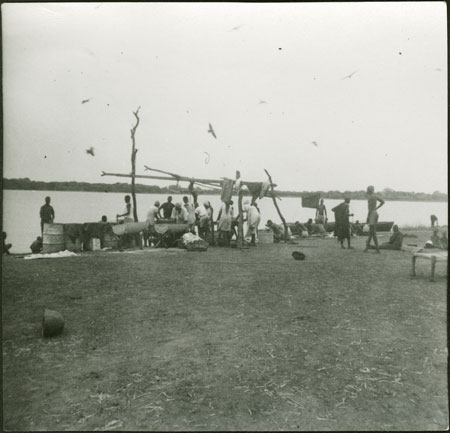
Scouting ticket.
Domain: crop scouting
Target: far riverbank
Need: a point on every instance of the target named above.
(122, 187)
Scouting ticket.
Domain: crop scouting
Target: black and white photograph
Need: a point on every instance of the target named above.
(225, 216)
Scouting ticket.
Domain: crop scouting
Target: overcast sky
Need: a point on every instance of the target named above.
(268, 77)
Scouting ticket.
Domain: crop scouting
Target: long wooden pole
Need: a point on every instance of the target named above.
(180, 178)
(241, 219)
(141, 176)
(133, 164)
(286, 237)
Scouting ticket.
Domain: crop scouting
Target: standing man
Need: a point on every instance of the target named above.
(342, 227)
(179, 214)
(253, 220)
(434, 220)
(190, 209)
(321, 214)
(46, 213)
(210, 211)
(202, 216)
(167, 208)
(152, 217)
(372, 217)
(128, 211)
(224, 221)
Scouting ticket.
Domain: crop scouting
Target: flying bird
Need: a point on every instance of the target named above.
(315, 143)
(211, 130)
(262, 102)
(236, 28)
(207, 157)
(90, 151)
(85, 100)
(350, 75)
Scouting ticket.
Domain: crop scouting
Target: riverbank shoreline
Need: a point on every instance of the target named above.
(22, 224)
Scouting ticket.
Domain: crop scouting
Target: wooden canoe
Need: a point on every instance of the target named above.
(129, 228)
(382, 226)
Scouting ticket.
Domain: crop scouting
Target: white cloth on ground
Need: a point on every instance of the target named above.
(57, 255)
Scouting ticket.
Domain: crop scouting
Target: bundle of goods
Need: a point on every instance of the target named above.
(194, 243)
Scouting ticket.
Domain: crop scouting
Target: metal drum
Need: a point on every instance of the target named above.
(53, 238)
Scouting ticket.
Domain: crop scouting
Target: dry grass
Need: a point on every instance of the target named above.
(226, 340)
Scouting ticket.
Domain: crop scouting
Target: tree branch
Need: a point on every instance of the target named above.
(276, 205)
(133, 163)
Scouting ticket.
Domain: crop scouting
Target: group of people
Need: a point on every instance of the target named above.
(47, 215)
(436, 241)
(343, 229)
(199, 218)
(342, 220)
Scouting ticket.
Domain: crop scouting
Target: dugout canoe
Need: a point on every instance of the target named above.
(129, 228)
(382, 226)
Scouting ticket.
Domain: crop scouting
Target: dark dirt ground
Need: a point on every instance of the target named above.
(227, 340)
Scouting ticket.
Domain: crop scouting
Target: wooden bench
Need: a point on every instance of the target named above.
(433, 256)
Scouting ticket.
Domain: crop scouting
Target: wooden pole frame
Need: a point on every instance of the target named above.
(218, 182)
(240, 238)
(212, 182)
(133, 164)
(286, 236)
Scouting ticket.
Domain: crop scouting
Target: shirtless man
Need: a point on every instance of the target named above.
(321, 213)
(372, 217)
(127, 215)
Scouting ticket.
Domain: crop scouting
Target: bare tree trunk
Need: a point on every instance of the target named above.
(286, 236)
(133, 164)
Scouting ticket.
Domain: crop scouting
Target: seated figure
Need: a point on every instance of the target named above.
(278, 231)
(318, 229)
(309, 226)
(357, 229)
(435, 241)
(395, 241)
(297, 228)
(36, 246)
(6, 247)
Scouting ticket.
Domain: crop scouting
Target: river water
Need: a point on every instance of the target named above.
(22, 223)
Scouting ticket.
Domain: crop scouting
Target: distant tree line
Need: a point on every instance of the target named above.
(387, 194)
(27, 184)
